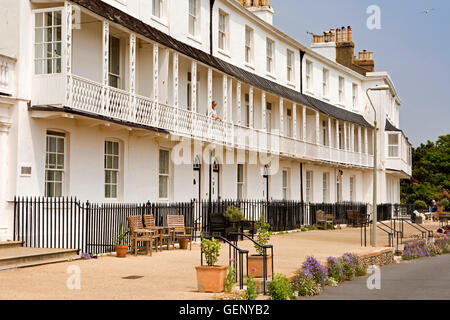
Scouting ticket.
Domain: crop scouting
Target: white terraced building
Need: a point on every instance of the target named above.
(110, 101)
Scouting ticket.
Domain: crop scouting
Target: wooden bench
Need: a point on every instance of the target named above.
(323, 219)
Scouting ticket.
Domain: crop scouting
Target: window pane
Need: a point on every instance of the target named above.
(48, 17)
(57, 18)
(163, 186)
(39, 19)
(164, 161)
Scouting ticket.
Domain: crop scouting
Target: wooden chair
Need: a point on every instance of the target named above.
(180, 231)
(323, 219)
(162, 233)
(138, 233)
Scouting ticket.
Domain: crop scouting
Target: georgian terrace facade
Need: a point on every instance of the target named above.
(109, 97)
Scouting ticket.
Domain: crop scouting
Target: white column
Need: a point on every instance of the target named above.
(194, 86)
(210, 100)
(317, 127)
(175, 76)
(330, 134)
(4, 170)
(345, 136)
(105, 62)
(366, 141)
(175, 70)
(304, 123)
(225, 97)
(156, 72)
(264, 111)
(68, 53)
(251, 123)
(281, 116)
(294, 119)
(132, 80)
(359, 140)
(352, 137)
(239, 102)
(337, 134)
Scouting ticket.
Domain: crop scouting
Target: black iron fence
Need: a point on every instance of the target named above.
(90, 227)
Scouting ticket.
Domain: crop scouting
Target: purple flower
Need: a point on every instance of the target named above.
(231, 260)
(254, 270)
(313, 268)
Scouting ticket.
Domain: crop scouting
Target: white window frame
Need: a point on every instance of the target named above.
(57, 167)
(355, 89)
(55, 59)
(194, 18)
(309, 75)
(393, 147)
(165, 175)
(341, 90)
(352, 188)
(111, 74)
(240, 184)
(247, 110)
(285, 181)
(249, 45)
(269, 107)
(223, 31)
(309, 186)
(113, 170)
(325, 82)
(326, 187)
(158, 5)
(325, 133)
(288, 124)
(270, 56)
(290, 57)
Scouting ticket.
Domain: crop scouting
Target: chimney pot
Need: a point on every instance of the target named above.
(320, 39)
(332, 35)
(338, 35)
(370, 55)
(343, 36)
(360, 55)
(365, 54)
(349, 34)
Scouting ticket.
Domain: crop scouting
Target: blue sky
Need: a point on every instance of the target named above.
(413, 47)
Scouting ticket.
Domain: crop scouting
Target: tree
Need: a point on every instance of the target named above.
(431, 172)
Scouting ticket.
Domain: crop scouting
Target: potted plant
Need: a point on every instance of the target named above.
(211, 278)
(121, 247)
(256, 262)
(234, 217)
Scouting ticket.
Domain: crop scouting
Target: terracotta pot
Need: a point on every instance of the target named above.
(183, 243)
(256, 262)
(211, 279)
(121, 251)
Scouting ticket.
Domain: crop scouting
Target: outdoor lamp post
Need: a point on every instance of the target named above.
(375, 163)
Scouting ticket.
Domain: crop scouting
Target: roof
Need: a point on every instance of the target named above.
(117, 16)
(390, 127)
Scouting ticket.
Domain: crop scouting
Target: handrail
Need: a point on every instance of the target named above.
(264, 247)
(396, 233)
(418, 229)
(242, 252)
(389, 234)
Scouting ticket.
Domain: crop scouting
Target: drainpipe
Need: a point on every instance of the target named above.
(211, 7)
(301, 182)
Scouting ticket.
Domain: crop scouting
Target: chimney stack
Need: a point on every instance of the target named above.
(261, 8)
(342, 39)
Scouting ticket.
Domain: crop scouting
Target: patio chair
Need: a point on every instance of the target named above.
(138, 233)
(180, 231)
(162, 233)
(323, 219)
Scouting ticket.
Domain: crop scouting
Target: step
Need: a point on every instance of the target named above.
(23, 257)
(10, 244)
(39, 263)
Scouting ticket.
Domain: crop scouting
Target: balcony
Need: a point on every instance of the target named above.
(7, 81)
(92, 98)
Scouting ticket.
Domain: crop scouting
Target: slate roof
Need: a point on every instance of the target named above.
(117, 16)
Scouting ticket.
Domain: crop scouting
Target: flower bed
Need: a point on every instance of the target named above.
(420, 248)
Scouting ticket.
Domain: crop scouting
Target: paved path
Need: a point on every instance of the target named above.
(424, 279)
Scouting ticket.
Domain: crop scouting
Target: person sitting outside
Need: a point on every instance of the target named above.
(214, 112)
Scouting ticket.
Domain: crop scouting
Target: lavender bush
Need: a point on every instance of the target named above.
(419, 249)
(335, 269)
(305, 285)
(312, 267)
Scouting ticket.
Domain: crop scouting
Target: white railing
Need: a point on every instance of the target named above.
(92, 97)
(7, 85)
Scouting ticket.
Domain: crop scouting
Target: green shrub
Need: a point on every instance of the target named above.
(420, 205)
(303, 229)
(250, 293)
(445, 203)
(234, 214)
(230, 279)
(263, 236)
(305, 285)
(210, 249)
(280, 288)
(311, 228)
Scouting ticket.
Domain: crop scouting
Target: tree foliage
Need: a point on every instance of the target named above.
(431, 172)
